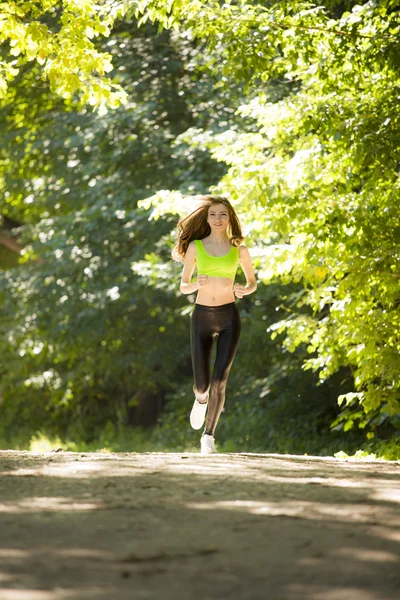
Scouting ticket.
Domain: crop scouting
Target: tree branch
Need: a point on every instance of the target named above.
(10, 243)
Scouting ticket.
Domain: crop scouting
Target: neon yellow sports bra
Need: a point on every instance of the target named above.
(217, 266)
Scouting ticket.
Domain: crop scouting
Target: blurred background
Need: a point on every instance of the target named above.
(94, 334)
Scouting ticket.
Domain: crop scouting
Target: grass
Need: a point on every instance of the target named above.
(151, 440)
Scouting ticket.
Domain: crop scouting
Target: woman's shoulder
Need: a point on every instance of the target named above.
(192, 246)
(243, 250)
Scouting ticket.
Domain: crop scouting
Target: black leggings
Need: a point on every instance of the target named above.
(207, 323)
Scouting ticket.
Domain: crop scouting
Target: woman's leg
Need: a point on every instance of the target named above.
(227, 343)
(201, 338)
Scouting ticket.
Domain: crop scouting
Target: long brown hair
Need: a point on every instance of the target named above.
(195, 226)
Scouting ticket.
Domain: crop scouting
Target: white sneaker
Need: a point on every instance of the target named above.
(207, 444)
(198, 414)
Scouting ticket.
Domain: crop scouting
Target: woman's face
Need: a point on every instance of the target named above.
(218, 217)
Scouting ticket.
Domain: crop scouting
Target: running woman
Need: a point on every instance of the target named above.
(211, 239)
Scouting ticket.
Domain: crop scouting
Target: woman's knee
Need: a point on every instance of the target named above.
(219, 385)
(201, 391)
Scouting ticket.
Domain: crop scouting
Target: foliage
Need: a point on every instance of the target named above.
(60, 37)
(167, 438)
(318, 179)
(292, 108)
(96, 283)
(8, 259)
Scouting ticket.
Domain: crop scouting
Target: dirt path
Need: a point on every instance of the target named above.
(191, 527)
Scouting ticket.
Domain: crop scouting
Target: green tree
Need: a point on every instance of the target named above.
(59, 36)
(96, 283)
(292, 108)
(318, 180)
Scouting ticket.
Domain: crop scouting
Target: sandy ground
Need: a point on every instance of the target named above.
(191, 527)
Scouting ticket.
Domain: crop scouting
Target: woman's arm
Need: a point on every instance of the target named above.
(245, 263)
(186, 287)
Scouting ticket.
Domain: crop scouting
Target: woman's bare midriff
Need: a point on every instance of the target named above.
(217, 291)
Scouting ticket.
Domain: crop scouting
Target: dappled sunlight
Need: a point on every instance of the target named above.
(331, 481)
(280, 469)
(207, 466)
(47, 504)
(367, 555)
(387, 494)
(117, 518)
(5, 578)
(303, 509)
(385, 533)
(29, 594)
(118, 465)
(67, 469)
(381, 489)
(89, 592)
(290, 110)
(82, 552)
(321, 592)
(13, 553)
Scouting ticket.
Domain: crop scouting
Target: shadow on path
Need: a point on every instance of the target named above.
(171, 526)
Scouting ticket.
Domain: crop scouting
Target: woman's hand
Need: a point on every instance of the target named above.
(202, 280)
(239, 290)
